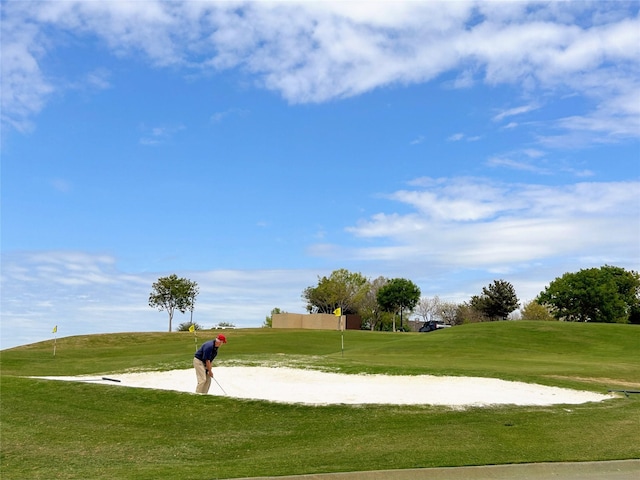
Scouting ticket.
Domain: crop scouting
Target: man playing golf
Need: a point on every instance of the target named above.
(202, 362)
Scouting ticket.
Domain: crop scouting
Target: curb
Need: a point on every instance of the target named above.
(611, 470)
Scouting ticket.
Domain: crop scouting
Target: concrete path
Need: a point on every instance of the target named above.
(614, 470)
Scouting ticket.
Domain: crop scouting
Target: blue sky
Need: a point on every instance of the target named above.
(253, 147)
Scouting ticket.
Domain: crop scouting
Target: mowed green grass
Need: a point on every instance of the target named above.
(67, 430)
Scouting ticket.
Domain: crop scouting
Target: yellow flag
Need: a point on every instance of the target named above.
(55, 329)
(338, 312)
(192, 328)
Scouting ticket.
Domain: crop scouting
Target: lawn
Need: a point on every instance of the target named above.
(64, 430)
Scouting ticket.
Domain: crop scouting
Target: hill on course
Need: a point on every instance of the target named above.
(96, 431)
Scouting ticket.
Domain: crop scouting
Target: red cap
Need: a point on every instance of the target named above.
(222, 338)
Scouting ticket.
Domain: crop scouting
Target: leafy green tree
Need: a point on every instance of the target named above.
(534, 311)
(171, 293)
(225, 325)
(607, 294)
(268, 321)
(369, 309)
(399, 295)
(185, 326)
(342, 289)
(387, 322)
(497, 300)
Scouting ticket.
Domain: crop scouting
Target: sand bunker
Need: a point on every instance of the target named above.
(291, 385)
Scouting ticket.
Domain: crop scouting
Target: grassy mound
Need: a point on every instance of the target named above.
(66, 430)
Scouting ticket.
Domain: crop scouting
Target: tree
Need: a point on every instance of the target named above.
(387, 322)
(268, 321)
(342, 289)
(534, 311)
(185, 326)
(225, 325)
(428, 308)
(448, 312)
(607, 294)
(497, 300)
(400, 295)
(171, 293)
(369, 309)
(466, 312)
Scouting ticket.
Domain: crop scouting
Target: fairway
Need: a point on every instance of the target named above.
(106, 430)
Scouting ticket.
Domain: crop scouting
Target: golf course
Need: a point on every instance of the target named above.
(83, 430)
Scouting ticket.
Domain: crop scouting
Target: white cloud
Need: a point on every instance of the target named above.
(318, 51)
(514, 111)
(86, 293)
(458, 230)
(61, 185)
(476, 223)
(25, 90)
(159, 135)
(218, 117)
(516, 165)
(98, 79)
(459, 235)
(527, 160)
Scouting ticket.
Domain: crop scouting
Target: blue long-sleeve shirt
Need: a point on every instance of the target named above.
(208, 351)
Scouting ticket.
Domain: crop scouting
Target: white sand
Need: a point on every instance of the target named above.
(291, 385)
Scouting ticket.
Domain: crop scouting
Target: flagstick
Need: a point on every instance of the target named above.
(338, 313)
(195, 334)
(55, 341)
(342, 326)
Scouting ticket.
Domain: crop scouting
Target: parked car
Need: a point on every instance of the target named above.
(432, 325)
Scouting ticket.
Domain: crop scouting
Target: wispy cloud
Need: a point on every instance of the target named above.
(450, 229)
(469, 222)
(159, 135)
(61, 185)
(438, 231)
(514, 111)
(98, 79)
(527, 160)
(218, 117)
(458, 137)
(535, 161)
(86, 293)
(319, 51)
(522, 165)
(25, 89)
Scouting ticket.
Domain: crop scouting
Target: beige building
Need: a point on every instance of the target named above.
(316, 321)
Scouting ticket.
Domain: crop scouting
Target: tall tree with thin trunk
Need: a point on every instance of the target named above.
(400, 295)
(171, 293)
(369, 309)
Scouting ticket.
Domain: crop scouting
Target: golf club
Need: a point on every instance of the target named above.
(626, 392)
(219, 385)
(100, 379)
(111, 379)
